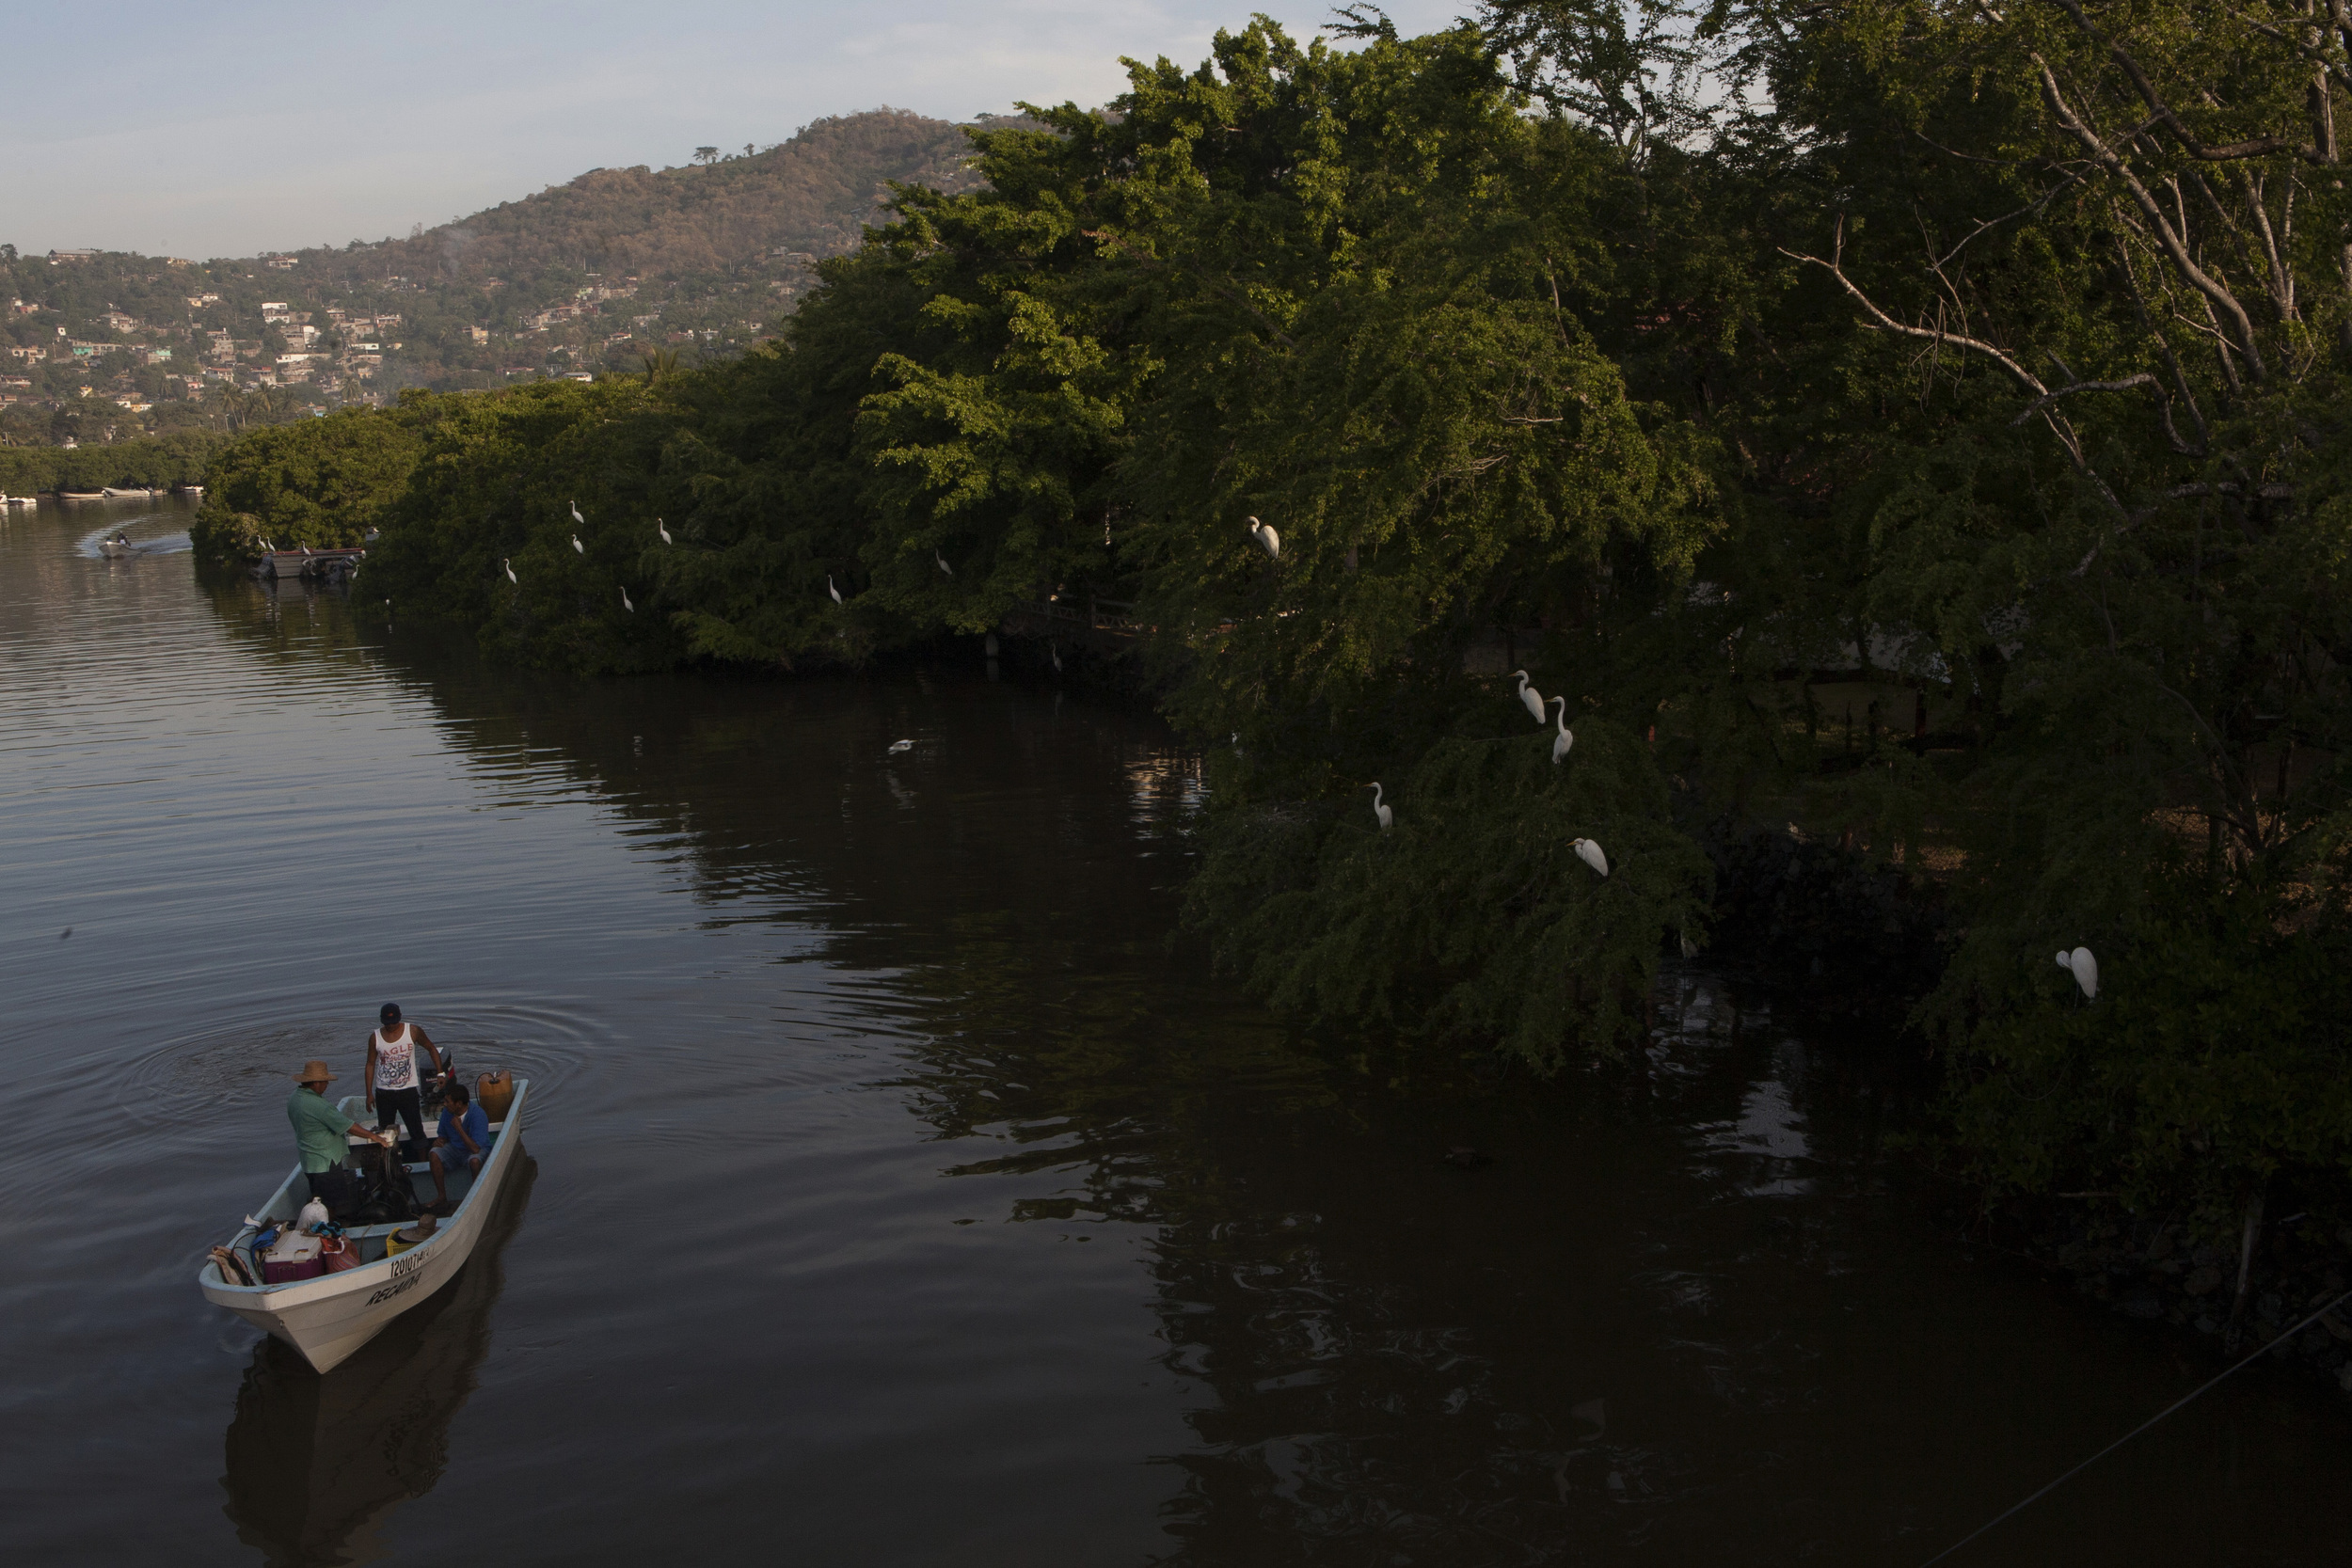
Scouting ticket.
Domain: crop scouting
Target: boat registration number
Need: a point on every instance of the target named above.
(389, 1292)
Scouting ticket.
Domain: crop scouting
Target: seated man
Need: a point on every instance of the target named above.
(319, 1132)
(463, 1139)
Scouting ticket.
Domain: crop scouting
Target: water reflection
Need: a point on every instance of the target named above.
(1680, 1314)
(317, 1465)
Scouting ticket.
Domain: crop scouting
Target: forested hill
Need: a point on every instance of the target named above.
(722, 217)
(697, 260)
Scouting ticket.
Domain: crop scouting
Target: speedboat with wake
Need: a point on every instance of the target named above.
(327, 1303)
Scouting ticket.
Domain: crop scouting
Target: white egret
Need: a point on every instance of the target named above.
(577, 549)
(831, 589)
(2085, 969)
(1268, 539)
(941, 562)
(1386, 817)
(510, 571)
(899, 746)
(1054, 654)
(1530, 698)
(1589, 853)
(576, 516)
(624, 604)
(663, 532)
(1568, 737)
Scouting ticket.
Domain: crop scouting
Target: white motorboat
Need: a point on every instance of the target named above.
(329, 1317)
(133, 492)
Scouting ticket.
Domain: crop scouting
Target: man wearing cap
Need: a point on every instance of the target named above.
(319, 1132)
(395, 1087)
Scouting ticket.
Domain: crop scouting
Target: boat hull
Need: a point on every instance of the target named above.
(328, 1318)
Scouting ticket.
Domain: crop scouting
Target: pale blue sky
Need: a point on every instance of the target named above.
(227, 126)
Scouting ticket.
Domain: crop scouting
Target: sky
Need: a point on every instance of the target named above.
(234, 127)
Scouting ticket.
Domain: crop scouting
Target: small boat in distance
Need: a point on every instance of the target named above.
(187, 489)
(332, 1315)
(81, 495)
(134, 493)
(116, 548)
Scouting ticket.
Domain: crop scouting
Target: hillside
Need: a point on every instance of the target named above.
(699, 260)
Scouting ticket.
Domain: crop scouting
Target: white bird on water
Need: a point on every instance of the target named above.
(831, 589)
(1382, 814)
(576, 516)
(2085, 969)
(1568, 737)
(1589, 853)
(624, 604)
(663, 532)
(899, 746)
(577, 549)
(1268, 539)
(510, 571)
(941, 562)
(1530, 698)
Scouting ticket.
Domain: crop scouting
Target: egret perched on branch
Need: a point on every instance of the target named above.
(1054, 654)
(1386, 817)
(624, 604)
(831, 589)
(1268, 539)
(2085, 969)
(1589, 853)
(663, 532)
(941, 562)
(1530, 698)
(510, 571)
(577, 549)
(1568, 737)
(576, 516)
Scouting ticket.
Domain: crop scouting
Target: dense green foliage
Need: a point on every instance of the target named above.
(158, 460)
(1941, 466)
(320, 483)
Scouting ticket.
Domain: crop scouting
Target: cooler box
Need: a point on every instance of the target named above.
(294, 1258)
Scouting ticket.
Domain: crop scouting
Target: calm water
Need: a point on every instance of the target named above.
(898, 1194)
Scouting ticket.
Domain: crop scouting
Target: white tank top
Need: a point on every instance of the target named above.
(396, 1060)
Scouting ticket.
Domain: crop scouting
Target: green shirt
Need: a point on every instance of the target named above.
(319, 1128)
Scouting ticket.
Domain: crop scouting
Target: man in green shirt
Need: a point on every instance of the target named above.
(320, 1130)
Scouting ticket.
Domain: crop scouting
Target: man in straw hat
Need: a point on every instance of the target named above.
(320, 1130)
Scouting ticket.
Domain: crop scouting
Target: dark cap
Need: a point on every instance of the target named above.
(390, 1013)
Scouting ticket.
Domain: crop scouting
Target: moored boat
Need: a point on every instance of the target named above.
(287, 565)
(137, 492)
(81, 495)
(329, 1317)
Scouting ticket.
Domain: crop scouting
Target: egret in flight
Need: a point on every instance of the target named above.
(1589, 852)
(577, 549)
(1268, 539)
(941, 562)
(663, 532)
(2085, 969)
(624, 604)
(510, 571)
(899, 746)
(1530, 698)
(1566, 736)
(831, 589)
(1386, 817)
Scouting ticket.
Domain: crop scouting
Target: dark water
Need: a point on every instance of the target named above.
(898, 1194)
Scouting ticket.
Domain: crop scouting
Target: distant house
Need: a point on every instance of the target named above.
(158, 356)
(118, 320)
(30, 354)
(282, 263)
(479, 334)
(58, 257)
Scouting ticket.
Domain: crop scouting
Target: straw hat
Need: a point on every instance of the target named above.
(420, 1231)
(313, 1072)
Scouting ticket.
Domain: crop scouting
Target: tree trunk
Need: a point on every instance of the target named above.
(2245, 1268)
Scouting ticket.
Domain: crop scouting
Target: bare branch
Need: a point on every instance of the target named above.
(2142, 379)
(1879, 321)
(2166, 235)
(2261, 147)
